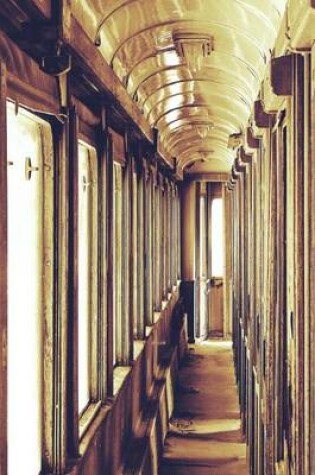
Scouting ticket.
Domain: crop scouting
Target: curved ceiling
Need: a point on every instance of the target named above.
(194, 67)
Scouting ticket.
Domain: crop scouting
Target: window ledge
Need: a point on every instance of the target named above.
(120, 375)
(87, 417)
(92, 426)
(148, 330)
(156, 316)
(138, 346)
(95, 414)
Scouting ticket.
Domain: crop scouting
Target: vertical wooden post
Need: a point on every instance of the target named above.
(103, 254)
(197, 251)
(73, 416)
(179, 232)
(188, 246)
(61, 327)
(165, 238)
(188, 228)
(270, 293)
(3, 270)
(209, 233)
(175, 236)
(308, 204)
(312, 265)
(299, 257)
(154, 239)
(110, 266)
(281, 320)
(227, 199)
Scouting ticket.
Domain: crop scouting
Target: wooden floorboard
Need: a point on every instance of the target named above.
(204, 437)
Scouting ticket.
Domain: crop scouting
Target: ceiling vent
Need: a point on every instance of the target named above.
(193, 48)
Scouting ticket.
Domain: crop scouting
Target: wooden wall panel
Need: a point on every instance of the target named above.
(133, 415)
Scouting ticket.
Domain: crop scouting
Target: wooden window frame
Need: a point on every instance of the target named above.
(179, 233)
(136, 330)
(84, 127)
(160, 209)
(141, 253)
(123, 332)
(26, 93)
(118, 263)
(126, 249)
(164, 240)
(8, 93)
(155, 238)
(93, 405)
(148, 305)
(174, 250)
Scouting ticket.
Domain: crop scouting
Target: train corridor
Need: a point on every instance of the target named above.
(157, 171)
(205, 435)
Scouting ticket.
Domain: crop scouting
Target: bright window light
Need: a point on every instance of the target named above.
(203, 261)
(217, 237)
(25, 306)
(117, 323)
(84, 273)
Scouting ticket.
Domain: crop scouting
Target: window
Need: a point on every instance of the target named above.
(148, 306)
(164, 241)
(202, 271)
(217, 237)
(141, 257)
(117, 323)
(87, 275)
(154, 236)
(30, 198)
(201, 261)
(136, 326)
(157, 240)
(179, 236)
(174, 242)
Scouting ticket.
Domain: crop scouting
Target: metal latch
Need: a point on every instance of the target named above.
(29, 169)
(87, 183)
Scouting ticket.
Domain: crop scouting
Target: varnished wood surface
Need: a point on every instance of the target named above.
(204, 436)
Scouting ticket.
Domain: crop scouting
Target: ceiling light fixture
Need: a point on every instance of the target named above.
(193, 47)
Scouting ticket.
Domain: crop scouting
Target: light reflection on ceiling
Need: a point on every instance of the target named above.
(195, 100)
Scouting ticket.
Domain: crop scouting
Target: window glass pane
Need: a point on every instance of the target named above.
(202, 246)
(87, 267)
(140, 254)
(217, 238)
(25, 289)
(126, 271)
(135, 253)
(117, 323)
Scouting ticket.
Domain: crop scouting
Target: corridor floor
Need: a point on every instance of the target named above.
(204, 436)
